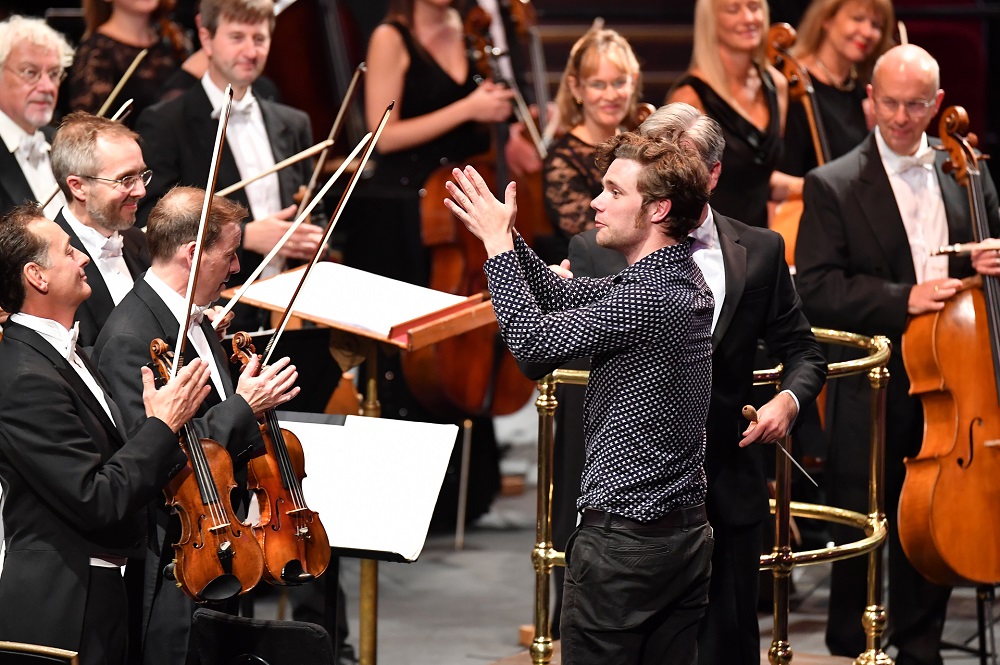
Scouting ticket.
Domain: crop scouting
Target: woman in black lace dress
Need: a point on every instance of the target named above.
(729, 79)
(116, 32)
(598, 91)
(838, 41)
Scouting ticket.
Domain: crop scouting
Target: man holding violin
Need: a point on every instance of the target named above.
(154, 309)
(74, 483)
(863, 258)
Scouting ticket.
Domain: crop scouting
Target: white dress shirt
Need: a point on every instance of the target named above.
(32, 154)
(707, 253)
(196, 336)
(918, 197)
(106, 253)
(247, 137)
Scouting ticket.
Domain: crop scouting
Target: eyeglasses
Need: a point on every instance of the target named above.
(128, 182)
(33, 75)
(914, 107)
(598, 85)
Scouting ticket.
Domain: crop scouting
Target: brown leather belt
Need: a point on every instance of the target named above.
(678, 517)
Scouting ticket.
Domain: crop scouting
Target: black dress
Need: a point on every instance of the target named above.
(750, 157)
(383, 236)
(382, 227)
(572, 180)
(842, 119)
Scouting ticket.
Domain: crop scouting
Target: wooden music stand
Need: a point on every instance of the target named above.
(367, 310)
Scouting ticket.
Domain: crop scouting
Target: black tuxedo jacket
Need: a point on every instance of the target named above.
(14, 187)
(177, 141)
(73, 485)
(855, 272)
(94, 311)
(760, 303)
(121, 349)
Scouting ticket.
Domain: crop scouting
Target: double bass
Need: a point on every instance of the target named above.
(949, 508)
(472, 373)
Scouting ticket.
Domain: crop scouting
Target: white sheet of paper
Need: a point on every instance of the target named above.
(355, 297)
(374, 481)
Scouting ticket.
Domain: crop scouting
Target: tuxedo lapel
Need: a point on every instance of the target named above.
(876, 199)
(66, 371)
(734, 260)
(13, 180)
(198, 111)
(282, 143)
(135, 252)
(219, 353)
(100, 301)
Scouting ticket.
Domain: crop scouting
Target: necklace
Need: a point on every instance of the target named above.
(845, 85)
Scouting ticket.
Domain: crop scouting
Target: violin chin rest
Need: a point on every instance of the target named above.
(221, 588)
(293, 573)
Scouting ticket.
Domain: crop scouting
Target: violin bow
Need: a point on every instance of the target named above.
(123, 111)
(329, 231)
(303, 216)
(121, 82)
(206, 209)
(332, 137)
(294, 159)
(119, 116)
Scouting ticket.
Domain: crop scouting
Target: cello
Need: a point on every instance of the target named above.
(291, 536)
(215, 558)
(472, 373)
(949, 525)
(780, 38)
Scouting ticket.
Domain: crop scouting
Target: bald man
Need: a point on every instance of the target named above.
(864, 266)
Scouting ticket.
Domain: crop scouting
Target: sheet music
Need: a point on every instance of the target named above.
(374, 481)
(355, 297)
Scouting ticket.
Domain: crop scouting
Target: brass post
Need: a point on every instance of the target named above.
(874, 618)
(541, 555)
(780, 652)
(368, 603)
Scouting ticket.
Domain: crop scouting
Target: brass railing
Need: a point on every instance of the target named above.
(782, 559)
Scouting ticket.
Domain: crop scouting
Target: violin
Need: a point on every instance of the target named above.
(780, 38)
(291, 536)
(949, 517)
(216, 557)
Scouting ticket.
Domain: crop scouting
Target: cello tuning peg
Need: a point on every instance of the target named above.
(948, 167)
(972, 139)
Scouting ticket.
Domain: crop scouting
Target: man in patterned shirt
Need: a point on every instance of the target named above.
(638, 567)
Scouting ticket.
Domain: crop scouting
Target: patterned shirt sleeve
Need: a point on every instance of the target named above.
(560, 320)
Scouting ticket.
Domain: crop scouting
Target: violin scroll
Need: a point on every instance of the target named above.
(243, 348)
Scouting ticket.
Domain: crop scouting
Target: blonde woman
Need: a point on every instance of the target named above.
(838, 42)
(730, 81)
(597, 95)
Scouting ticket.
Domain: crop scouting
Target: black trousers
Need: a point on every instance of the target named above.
(105, 623)
(635, 596)
(730, 633)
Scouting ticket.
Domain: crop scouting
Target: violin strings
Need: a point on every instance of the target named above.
(284, 462)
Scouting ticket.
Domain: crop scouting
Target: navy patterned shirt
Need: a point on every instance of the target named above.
(648, 330)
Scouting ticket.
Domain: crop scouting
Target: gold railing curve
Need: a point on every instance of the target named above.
(782, 559)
